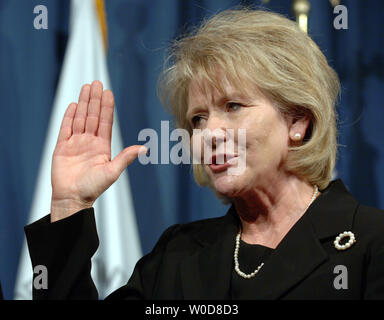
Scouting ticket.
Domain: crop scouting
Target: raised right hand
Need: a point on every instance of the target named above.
(82, 168)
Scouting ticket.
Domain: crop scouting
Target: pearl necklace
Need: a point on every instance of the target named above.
(237, 246)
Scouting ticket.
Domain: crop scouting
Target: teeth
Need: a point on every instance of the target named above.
(232, 160)
(221, 159)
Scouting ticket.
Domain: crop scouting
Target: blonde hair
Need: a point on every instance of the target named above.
(270, 51)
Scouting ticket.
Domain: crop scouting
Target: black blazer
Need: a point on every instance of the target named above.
(195, 260)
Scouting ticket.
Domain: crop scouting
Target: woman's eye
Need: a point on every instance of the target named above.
(232, 106)
(196, 121)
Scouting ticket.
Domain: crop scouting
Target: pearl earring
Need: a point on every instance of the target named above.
(297, 136)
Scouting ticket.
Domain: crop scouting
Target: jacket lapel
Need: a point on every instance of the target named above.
(333, 212)
(207, 273)
(297, 255)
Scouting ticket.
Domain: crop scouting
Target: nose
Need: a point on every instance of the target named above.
(215, 129)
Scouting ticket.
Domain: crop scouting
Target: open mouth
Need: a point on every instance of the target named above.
(222, 162)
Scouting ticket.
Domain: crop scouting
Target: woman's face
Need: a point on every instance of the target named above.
(267, 137)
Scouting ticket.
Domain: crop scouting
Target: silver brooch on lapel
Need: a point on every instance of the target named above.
(347, 245)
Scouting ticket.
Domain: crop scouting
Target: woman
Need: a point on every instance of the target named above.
(242, 69)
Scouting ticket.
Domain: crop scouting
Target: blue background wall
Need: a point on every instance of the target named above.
(138, 32)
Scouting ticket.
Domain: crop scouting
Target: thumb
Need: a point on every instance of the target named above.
(125, 158)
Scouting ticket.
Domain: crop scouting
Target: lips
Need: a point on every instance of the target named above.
(220, 167)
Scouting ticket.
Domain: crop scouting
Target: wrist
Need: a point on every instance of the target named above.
(64, 208)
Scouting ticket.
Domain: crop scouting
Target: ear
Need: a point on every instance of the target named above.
(298, 128)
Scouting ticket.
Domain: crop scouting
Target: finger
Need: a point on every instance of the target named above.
(81, 110)
(106, 115)
(124, 159)
(93, 113)
(66, 125)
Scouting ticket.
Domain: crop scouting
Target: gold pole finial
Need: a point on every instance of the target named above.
(301, 9)
(100, 8)
(334, 3)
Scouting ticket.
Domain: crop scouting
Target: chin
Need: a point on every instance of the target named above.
(227, 186)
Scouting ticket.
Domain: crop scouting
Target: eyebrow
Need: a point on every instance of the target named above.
(228, 96)
(232, 96)
(235, 96)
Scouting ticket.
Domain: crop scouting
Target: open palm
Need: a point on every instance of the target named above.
(82, 168)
